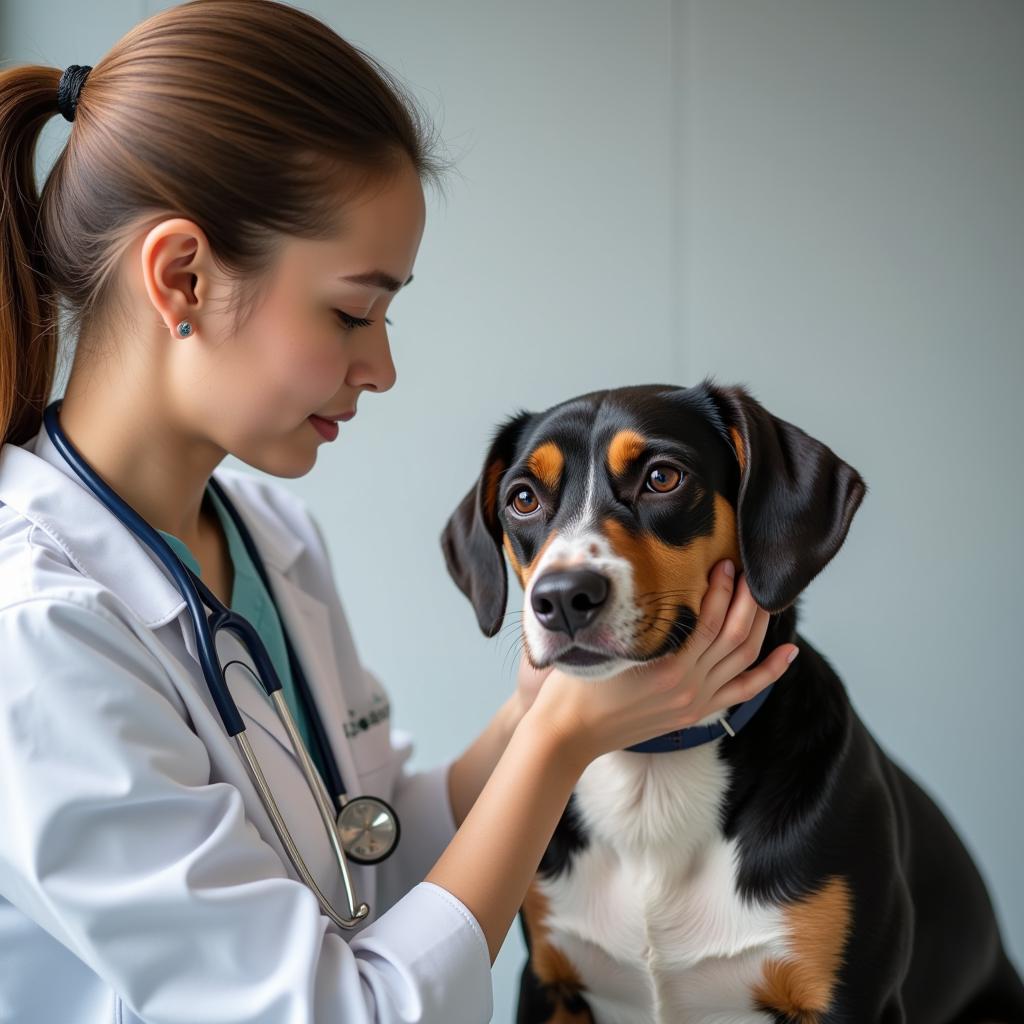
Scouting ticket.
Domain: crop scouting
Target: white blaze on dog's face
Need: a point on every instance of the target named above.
(579, 545)
(585, 548)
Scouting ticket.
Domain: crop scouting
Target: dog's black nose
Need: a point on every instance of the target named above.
(565, 601)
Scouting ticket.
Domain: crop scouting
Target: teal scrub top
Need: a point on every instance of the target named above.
(250, 599)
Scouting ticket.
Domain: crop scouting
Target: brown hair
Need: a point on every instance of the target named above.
(250, 117)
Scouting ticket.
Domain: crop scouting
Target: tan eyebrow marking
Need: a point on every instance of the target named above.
(625, 446)
(546, 463)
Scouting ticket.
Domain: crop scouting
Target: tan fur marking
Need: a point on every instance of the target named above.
(529, 569)
(513, 561)
(550, 965)
(819, 927)
(737, 443)
(625, 446)
(523, 573)
(492, 476)
(680, 573)
(546, 463)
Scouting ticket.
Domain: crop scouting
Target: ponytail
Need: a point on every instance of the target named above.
(28, 305)
(250, 117)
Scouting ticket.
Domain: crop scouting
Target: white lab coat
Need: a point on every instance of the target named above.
(141, 878)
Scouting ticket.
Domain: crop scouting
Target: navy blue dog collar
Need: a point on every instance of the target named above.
(695, 735)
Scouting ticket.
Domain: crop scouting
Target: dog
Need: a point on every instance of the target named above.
(784, 871)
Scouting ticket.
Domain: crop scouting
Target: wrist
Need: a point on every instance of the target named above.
(559, 740)
(511, 714)
(469, 772)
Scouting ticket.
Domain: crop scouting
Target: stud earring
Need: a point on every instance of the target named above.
(184, 329)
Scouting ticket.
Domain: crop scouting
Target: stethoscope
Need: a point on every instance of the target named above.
(365, 827)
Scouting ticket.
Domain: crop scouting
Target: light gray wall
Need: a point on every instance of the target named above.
(820, 200)
(850, 219)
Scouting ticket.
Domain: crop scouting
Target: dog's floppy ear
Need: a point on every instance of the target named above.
(471, 539)
(796, 497)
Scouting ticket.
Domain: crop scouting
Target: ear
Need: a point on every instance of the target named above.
(472, 537)
(796, 497)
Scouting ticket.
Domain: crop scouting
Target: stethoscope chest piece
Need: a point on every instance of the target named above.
(369, 829)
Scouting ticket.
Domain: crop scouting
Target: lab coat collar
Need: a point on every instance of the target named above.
(37, 481)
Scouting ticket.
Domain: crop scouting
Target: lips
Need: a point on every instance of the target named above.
(582, 656)
(325, 428)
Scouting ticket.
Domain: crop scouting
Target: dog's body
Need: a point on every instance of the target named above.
(789, 872)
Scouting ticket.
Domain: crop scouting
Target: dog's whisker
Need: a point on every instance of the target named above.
(516, 639)
(656, 621)
(667, 590)
(656, 595)
(517, 653)
(653, 625)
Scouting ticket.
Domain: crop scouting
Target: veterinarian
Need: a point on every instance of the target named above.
(204, 813)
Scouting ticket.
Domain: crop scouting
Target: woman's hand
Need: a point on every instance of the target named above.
(589, 717)
(528, 684)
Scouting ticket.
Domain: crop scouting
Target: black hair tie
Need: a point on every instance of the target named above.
(71, 82)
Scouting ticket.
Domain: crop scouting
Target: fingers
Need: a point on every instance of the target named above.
(713, 609)
(741, 656)
(750, 684)
(727, 614)
(744, 618)
(726, 639)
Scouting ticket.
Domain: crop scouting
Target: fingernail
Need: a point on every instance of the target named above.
(792, 654)
(730, 569)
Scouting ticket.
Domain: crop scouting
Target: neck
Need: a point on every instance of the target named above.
(138, 453)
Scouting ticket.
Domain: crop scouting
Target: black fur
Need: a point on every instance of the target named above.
(812, 795)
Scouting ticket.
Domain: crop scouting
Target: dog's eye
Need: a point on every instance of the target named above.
(524, 501)
(662, 479)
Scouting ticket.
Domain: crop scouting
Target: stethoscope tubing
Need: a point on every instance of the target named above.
(194, 591)
(336, 786)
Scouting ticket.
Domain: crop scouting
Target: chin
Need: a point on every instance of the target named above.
(286, 460)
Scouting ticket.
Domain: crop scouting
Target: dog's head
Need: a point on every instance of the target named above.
(613, 507)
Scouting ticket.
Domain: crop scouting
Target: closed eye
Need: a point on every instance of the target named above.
(356, 321)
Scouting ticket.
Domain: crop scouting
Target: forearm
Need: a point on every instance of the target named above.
(468, 774)
(495, 853)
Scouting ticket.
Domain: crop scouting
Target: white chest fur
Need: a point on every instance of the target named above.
(648, 913)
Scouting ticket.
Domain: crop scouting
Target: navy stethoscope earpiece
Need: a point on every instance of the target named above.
(365, 828)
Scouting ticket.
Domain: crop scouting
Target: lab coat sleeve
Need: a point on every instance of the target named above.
(115, 841)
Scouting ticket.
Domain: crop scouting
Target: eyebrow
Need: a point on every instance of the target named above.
(378, 279)
(655, 445)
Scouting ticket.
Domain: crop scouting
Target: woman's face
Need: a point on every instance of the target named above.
(304, 349)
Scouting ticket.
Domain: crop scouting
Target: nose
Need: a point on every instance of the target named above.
(376, 372)
(384, 373)
(387, 374)
(566, 600)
